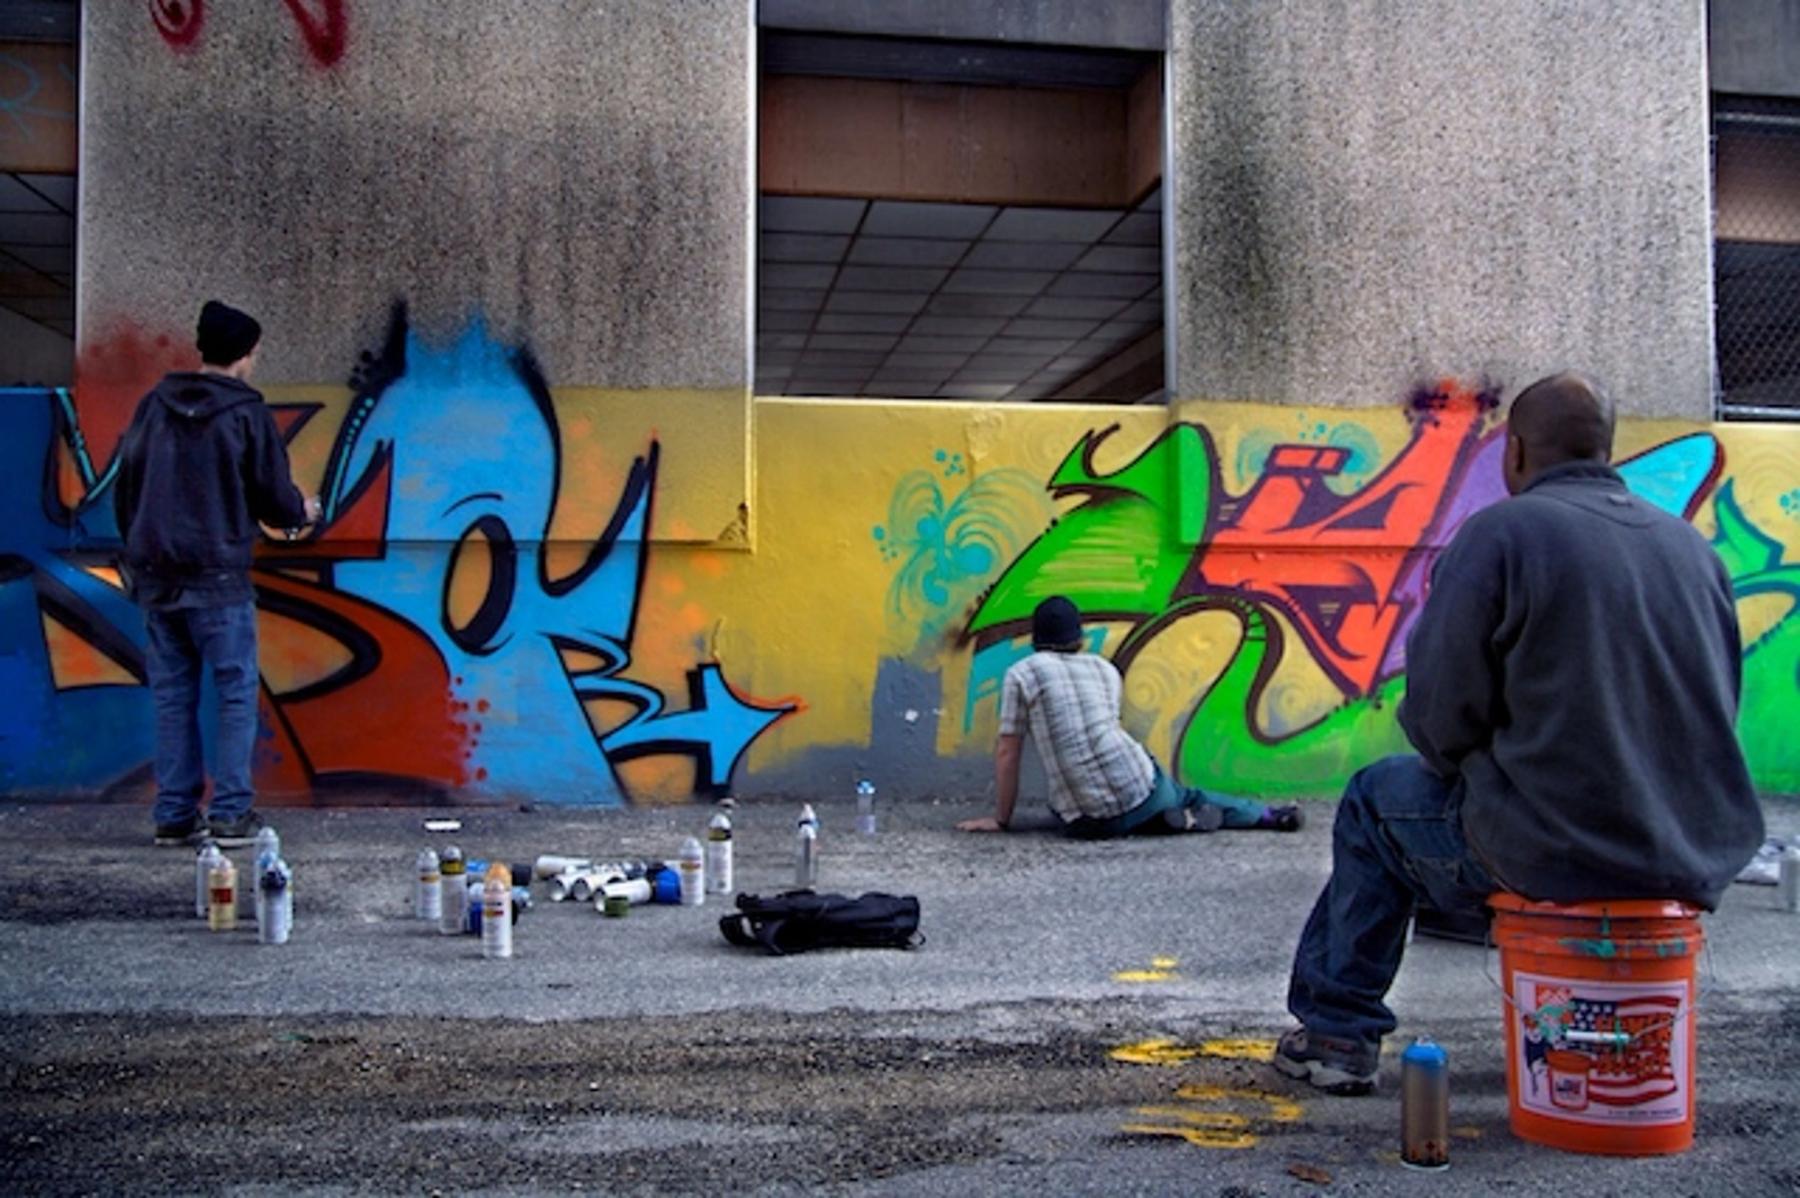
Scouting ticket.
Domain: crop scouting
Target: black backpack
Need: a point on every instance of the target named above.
(801, 919)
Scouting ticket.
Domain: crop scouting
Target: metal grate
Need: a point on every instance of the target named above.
(1756, 254)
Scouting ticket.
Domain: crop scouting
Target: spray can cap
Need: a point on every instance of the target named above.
(1424, 1053)
(807, 815)
(498, 874)
(720, 822)
(865, 787)
(690, 849)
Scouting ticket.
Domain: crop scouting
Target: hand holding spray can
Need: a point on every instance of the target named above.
(718, 854)
(1425, 1106)
(496, 913)
(428, 895)
(455, 893)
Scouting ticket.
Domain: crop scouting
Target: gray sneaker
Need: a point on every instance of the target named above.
(236, 833)
(1328, 1063)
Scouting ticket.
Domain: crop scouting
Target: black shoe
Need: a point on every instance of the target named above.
(236, 833)
(1332, 1065)
(182, 832)
(1286, 818)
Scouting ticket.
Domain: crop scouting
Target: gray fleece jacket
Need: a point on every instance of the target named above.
(1576, 666)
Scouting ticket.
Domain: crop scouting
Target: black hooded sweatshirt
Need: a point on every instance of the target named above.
(200, 467)
(1576, 668)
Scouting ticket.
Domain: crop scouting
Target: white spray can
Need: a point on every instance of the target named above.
(454, 884)
(428, 892)
(222, 896)
(692, 871)
(1787, 878)
(865, 807)
(806, 849)
(718, 854)
(205, 861)
(274, 902)
(268, 850)
(496, 913)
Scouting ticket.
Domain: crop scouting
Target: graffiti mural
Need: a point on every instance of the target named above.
(417, 638)
(323, 25)
(1325, 580)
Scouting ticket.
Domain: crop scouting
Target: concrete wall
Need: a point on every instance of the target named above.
(1756, 47)
(1371, 193)
(534, 585)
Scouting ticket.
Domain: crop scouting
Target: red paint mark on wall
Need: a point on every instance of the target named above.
(324, 25)
(113, 371)
(179, 21)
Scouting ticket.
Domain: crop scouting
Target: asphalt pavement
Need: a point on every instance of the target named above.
(1082, 1018)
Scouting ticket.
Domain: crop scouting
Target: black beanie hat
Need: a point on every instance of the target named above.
(1055, 624)
(225, 334)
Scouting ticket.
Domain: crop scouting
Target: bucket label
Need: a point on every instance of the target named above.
(1602, 1052)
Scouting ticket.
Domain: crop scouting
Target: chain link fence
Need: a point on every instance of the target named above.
(1756, 254)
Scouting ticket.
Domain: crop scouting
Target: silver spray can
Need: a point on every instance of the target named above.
(865, 808)
(268, 849)
(274, 903)
(428, 891)
(1425, 1106)
(204, 863)
(1788, 878)
(692, 867)
(806, 850)
(455, 906)
(718, 854)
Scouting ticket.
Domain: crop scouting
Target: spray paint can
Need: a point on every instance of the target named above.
(1788, 878)
(268, 849)
(1425, 1106)
(274, 902)
(496, 913)
(204, 861)
(865, 807)
(551, 865)
(665, 884)
(692, 866)
(718, 854)
(455, 893)
(806, 849)
(222, 896)
(428, 894)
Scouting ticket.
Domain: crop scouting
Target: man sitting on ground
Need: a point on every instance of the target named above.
(1572, 685)
(1102, 782)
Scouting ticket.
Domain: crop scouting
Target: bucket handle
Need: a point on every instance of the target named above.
(1614, 1041)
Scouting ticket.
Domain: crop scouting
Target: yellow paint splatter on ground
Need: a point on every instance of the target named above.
(1163, 962)
(1143, 975)
(1279, 1107)
(1168, 1052)
(1209, 1116)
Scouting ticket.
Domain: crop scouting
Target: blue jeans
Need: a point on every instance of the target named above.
(1165, 795)
(1397, 841)
(183, 641)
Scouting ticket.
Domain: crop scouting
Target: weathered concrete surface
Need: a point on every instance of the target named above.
(1372, 194)
(577, 174)
(143, 1052)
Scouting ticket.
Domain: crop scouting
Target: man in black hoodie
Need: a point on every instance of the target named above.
(200, 467)
(1572, 689)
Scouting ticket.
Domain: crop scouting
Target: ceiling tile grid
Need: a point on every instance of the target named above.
(910, 299)
(37, 248)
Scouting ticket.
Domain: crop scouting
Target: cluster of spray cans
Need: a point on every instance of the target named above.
(469, 897)
(271, 889)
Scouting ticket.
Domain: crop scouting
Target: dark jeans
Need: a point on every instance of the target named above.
(1145, 819)
(1397, 841)
(182, 642)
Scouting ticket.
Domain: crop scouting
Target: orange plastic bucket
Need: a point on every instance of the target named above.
(1599, 1022)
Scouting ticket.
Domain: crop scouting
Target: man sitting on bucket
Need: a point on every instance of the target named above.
(1572, 685)
(1102, 782)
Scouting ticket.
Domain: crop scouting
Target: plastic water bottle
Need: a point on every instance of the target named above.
(274, 902)
(268, 851)
(718, 854)
(496, 913)
(428, 895)
(692, 863)
(865, 807)
(455, 893)
(806, 850)
(222, 895)
(1425, 1106)
(205, 860)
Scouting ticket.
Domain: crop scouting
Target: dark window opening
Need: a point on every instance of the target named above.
(958, 220)
(1756, 254)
